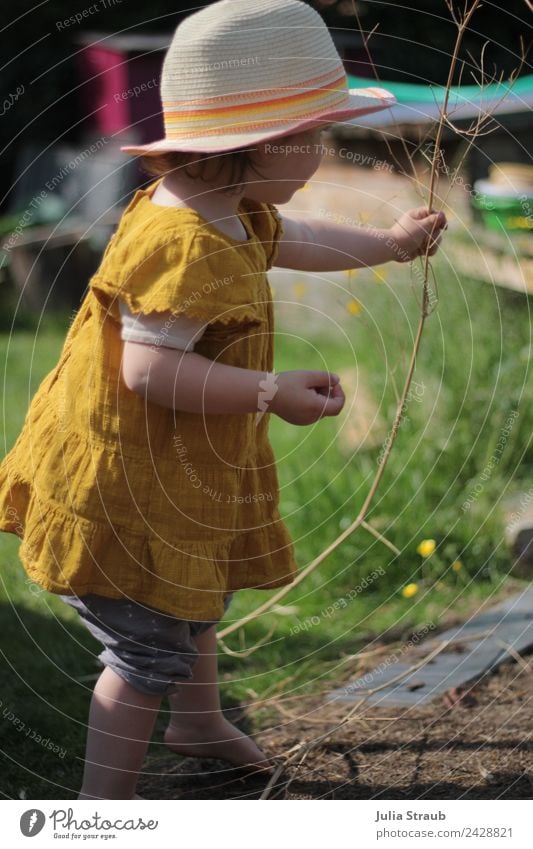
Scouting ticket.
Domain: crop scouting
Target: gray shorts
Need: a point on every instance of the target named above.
(153, 651)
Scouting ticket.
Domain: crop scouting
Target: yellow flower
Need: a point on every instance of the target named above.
(457, 565)
(379, 275)
(354, 307)
(426, 547)
(350, 272)
(299, 290)
(410, 590)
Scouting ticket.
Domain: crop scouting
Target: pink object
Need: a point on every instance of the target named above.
(120, 91)
(106, 73)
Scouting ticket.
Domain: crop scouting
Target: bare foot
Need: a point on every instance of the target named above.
(220, 739)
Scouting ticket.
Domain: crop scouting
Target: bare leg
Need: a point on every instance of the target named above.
(121, 720)
(197, 725)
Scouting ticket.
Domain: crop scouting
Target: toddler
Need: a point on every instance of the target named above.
(143, 484)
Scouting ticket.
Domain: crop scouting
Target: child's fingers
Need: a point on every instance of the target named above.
(333, 402)
(430, 221)
(435, 242)
(332, 406)
(330, 391)
(327, 395)
(321, 380)
(419, 213)
(337, 391)
(438, 220)
(424, 212)
(434, 247)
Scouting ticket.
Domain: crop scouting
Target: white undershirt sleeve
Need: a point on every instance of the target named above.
(160, 328)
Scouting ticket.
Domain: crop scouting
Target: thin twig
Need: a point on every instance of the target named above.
(516, 656)
(249, 651)
(376, 75)
(301, 750)
(300, 718)
(380, 537)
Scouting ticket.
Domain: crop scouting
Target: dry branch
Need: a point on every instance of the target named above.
(462, 20)
(299, 753)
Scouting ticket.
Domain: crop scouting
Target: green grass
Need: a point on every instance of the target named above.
(473, 370)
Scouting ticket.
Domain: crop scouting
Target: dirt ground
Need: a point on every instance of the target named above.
(477, 747)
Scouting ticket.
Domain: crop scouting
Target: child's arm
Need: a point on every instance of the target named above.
(195, 384)
(322, 245)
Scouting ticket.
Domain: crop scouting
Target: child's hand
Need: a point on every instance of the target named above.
(414, 231)
(303, 397)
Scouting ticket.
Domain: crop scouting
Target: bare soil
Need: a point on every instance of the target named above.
(469, 745)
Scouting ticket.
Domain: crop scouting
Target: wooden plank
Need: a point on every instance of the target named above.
(510, 624)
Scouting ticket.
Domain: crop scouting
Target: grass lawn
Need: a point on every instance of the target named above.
(474, 403)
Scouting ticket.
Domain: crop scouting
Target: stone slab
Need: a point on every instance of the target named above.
(509, 623)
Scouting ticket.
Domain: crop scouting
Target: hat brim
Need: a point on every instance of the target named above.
(361, 101)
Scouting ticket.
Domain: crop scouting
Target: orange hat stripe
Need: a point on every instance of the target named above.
(256, 106)
(261, 124)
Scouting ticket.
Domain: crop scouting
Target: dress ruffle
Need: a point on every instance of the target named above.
(176, 576)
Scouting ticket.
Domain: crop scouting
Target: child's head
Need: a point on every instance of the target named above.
(241, 74)
(268, 171)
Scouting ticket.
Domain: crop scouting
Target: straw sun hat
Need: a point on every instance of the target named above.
(243, 71)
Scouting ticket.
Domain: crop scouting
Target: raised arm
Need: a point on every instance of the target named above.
(318, 244)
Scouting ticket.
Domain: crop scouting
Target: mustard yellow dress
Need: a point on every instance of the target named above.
(115, 495)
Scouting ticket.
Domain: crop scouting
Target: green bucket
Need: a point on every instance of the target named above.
(505, 212)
